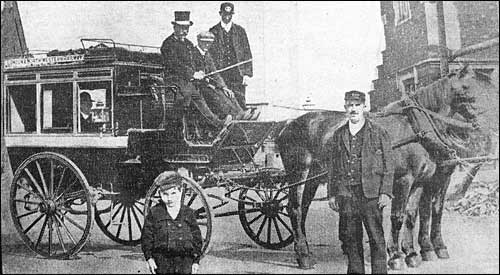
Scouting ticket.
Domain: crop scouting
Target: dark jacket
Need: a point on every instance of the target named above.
(377, 168)
(240, 44)
(178, 57)
(163, 235)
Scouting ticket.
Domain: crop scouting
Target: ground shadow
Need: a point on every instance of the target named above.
(284, 257)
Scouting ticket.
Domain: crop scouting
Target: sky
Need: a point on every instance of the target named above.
(300, 49)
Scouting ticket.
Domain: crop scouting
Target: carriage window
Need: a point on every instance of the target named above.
(94, 105)
(57, 108)
(21, 108)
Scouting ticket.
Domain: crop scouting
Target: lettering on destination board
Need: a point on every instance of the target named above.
(42, 61)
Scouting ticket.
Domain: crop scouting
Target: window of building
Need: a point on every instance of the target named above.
(94, 105)
(401, 11)
(57, 108)
(21, 109)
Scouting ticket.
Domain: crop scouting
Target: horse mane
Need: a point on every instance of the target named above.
(434, 95)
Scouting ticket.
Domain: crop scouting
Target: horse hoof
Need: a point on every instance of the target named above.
(397, 263)
(442, 253)
(305, 263)
(413, 260)
(428, 255)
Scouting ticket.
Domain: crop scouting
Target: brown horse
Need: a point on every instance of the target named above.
(449, 111)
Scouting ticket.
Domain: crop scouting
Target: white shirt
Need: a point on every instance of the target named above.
(227, 26)
(173, 211)
(355, 127)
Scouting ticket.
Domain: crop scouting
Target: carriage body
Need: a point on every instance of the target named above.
(111, 168)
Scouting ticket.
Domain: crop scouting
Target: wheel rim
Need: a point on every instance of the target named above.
(194, 197)
(51, 205)
(264, 217)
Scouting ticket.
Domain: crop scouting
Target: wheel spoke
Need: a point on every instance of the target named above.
(136, 219)
(35, 183)
(114, 215)
(283, 213)
(66, 189)
(278, 232)
(41, 232)
(260, 196)
(252, 199)
(269, 230)
(42, 178)
(27, 214)
(284, 198)
(129, 224)
(256, 218)
(59, 237)
(121, 223)
(191, 200)
(65, 229)
(138, 209)
(28, 202)
(60, 180)
(72, 221)
(284, 224)
(51, 224)
(51, 185)
(32, 224)
(261, 227)
(28, 190)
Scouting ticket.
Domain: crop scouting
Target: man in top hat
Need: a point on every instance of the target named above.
(218, 96)
(178, 54)
(231, 47)
(360, 184)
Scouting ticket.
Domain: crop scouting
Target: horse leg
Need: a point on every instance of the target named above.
(437, 214)
(413, 259)
(426, 247)
(310, 189)
(401, 189)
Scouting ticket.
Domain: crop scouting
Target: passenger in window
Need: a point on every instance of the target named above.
(86, 122)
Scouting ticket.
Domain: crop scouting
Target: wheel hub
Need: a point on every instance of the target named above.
(271, 209)
(48, 207)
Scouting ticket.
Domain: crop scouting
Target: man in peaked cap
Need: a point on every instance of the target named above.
(231, 47)
(361, 172)
(178, 54)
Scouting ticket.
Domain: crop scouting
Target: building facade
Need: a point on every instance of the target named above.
(411, 55)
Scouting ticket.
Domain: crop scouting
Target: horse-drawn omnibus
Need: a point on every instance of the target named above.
(72, 167)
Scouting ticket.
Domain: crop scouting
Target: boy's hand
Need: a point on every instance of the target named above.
(194, 268)
(152, 265)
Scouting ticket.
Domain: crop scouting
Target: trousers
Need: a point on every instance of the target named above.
(356, 211)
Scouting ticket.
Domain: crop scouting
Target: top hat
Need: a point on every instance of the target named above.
(354, 96)
(84, 96)
(227, 8)
(182, 18)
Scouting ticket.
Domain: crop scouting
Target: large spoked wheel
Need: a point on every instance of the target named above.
(264, 217)
(193, 196)
(121, 218)
(51, 205)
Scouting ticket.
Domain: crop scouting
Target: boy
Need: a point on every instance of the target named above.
(171, 238)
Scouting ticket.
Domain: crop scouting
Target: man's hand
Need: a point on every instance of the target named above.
(333, 203)
(152, 265)
(383, 200)
(228, 92)
(245, 80)
(199, 75)
(195, 268)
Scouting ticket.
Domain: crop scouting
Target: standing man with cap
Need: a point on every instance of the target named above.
(180, 70)
(361, 175)
(231, 47)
